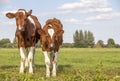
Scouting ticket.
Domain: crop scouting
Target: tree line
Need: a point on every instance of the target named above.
(6, 43)
(86, 39)
(81, 39)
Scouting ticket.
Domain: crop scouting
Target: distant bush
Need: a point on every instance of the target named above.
(5, 43)
(67, 45)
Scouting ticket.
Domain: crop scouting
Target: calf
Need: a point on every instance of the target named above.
(27, 35)
(51, 39)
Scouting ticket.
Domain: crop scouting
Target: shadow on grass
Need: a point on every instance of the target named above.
(60, 67)
(8, 67)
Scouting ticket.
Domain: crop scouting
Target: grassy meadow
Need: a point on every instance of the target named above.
(74, 64)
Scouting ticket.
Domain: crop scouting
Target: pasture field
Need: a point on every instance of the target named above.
(74, 64)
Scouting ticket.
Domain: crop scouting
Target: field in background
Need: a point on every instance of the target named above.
(75, 64)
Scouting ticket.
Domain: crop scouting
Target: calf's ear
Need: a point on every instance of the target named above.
(29, 13)
(60, 32)
(10, 15)
(41, 32)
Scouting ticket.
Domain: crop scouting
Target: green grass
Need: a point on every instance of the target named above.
(75, 64)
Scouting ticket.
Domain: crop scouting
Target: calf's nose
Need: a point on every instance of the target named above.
(52, 45)
(21, 28)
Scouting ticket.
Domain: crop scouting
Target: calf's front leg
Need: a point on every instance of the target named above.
(47, 62)
(30, 59)
(54, 62)
(22, 59)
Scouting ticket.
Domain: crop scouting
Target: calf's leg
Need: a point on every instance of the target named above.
(54, 62)
(51, 59)
(30, 59)
(33, 63)
(22, 55)
(26, 59)
(47, 62)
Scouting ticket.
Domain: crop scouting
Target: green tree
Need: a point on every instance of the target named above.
(83, 40)
(67, 45)
(100, 44)
(117, 46)
(5, 43)
(110, 43)
(15, 42)
(76, 39)
(90, 39)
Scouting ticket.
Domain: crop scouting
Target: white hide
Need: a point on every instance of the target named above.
(22, 11)
(30, 59)
(47, 62)
(27, 57)
(51, 32)
(22, 55)
(54, 64)
(31, 20)
(19, 27)
(49, 25)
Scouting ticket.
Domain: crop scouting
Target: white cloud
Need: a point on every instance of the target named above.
(84, 4)
(73, 20)
(87, 6)
(88, 20)
(95, 10)
(5, 22)
(4, 1)
(7, 9)
(41, 14)
(8, 23)
(107, 16)
(76, 21)
(69, 6)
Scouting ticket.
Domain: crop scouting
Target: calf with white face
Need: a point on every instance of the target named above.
(50, 42)
(26, 33)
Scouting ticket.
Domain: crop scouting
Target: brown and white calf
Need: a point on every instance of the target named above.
(51, 39)
(26, 33)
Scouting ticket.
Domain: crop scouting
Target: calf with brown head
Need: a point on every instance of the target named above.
(51, 39)
(27, 35)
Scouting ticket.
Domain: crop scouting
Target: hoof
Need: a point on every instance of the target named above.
(21, 72)
(54, 75)
(31, 73)
(26, 66)
(48, 75)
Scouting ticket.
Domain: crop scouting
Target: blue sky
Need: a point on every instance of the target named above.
(102, 17)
